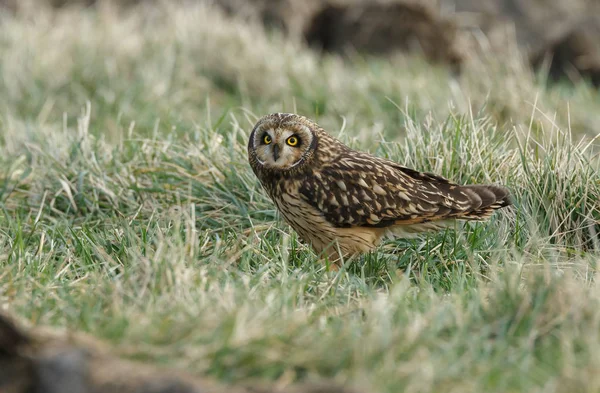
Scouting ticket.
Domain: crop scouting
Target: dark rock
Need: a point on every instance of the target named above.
(574, 56)
(382, 28)
(564, 36)
(563, 33)
(371, 27)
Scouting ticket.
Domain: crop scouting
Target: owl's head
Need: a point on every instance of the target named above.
(282, 141)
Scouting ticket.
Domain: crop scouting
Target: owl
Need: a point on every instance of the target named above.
(344, 202)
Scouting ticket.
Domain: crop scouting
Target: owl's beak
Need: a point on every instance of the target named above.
(275, 152)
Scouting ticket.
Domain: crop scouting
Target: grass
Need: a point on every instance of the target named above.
(128, 209)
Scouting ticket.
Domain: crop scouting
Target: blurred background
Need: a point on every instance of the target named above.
(558, 36)
(429, 54)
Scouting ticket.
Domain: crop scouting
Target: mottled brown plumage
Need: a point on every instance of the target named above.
(342, 201)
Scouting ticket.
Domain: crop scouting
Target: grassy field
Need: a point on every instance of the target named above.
(128, 209)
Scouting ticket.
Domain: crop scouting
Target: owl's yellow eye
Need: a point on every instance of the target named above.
(292, 141)
(267, 139)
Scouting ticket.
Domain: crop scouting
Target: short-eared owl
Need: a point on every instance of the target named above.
(342, 200)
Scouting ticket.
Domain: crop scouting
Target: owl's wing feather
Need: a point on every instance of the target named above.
(362, 190)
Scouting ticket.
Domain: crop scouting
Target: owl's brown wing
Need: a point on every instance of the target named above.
(362, 190)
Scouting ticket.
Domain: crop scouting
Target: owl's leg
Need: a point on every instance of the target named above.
(334, 267)
(329, 257)
(336, 256)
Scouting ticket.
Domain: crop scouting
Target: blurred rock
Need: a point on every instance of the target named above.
(50, 362)
(565, 34)
(373, 27)
(385, 27)
(576, 54)
(562, 35)
(14, 369)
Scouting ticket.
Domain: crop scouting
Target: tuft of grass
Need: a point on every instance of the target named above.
(128, 209)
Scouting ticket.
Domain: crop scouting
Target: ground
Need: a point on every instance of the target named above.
(128, 209)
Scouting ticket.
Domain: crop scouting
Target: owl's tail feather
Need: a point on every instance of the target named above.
(486, 199)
